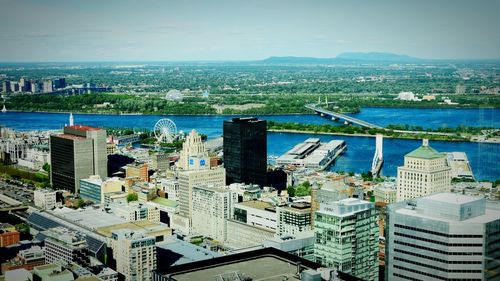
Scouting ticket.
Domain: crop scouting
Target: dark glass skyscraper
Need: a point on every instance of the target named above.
(245, 151)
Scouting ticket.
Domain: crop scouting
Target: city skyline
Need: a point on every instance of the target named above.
(225, 31)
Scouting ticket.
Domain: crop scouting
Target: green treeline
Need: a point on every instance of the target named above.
(267, 104)
(354, 130)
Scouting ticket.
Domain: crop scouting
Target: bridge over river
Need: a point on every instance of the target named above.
(336, 116)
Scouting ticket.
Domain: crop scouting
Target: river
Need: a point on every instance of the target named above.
(484, 158)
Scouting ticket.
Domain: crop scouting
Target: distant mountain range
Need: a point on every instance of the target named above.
(344, 58)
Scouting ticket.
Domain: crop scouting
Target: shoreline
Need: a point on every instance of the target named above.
(237, 114)
(367, 136)
(151, 114)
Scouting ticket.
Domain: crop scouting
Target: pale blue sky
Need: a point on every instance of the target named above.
(95, 30)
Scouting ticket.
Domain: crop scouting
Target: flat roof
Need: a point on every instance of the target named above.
(83, 128)
(144, 225)
(489, 215)
(453, 198)
(257, 204)
(165, 202)
(189, 252)
(70, 137)
(88, 218)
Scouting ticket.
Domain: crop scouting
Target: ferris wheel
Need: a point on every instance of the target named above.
(165, 130)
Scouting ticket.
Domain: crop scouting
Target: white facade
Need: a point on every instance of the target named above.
(65, 245)
(135, 254)
(188, 179)
(45, 199)
(193, 156)
(425, 171)
(444, 236)
(385, 192)
(211, 208)
(257, 213)
(171, 187)
(241, 235)
(293, 219)
(135, 211)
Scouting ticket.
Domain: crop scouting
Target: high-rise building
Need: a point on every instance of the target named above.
(245, 151)
(346, 234)
(6, 86)
(24, 85)
(77, 154)
(47, 86)
(194, 156)
(211, 208)
(35, 87)
(14, 87)
(69, 246)
(189, 179)
(195, 170)
(443, 236)
(135, 254)
(425, 171)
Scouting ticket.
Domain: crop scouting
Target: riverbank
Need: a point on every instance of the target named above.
(409, 137)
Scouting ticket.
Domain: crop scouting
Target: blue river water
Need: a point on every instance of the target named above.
(484, 158)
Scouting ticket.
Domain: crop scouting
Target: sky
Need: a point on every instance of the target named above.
(165, 30)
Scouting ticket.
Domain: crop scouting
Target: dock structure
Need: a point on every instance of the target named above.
(313, 154)
(378, 159)
(335, 116)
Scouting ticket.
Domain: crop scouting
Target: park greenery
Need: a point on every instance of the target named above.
(303, 189)
(132, 197)
(272, 103)
(461, 133)
(36, 178)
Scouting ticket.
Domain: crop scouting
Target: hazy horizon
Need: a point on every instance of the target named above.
(196, 30)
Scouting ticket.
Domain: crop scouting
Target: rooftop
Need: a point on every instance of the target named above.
(257, 204)
(165, 202)
(263, 264)
(147, 226)
(453, 198)
(71, 137)
(188, 252)
(83, 128)
(88, 218)
(425, 152)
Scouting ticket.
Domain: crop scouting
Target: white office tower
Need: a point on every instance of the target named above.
(346, 234)
(211, 207)
(194, 171)
(193, 156)
(425, 171)
(135, 254)
(444, 236)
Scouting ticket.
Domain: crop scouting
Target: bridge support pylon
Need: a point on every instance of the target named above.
(378, 159)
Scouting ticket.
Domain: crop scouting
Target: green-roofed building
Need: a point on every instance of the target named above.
(425, 171)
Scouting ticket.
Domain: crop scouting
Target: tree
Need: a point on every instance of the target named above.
(291, 191)
(79, 203)
(132, 197)
(46, 167)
